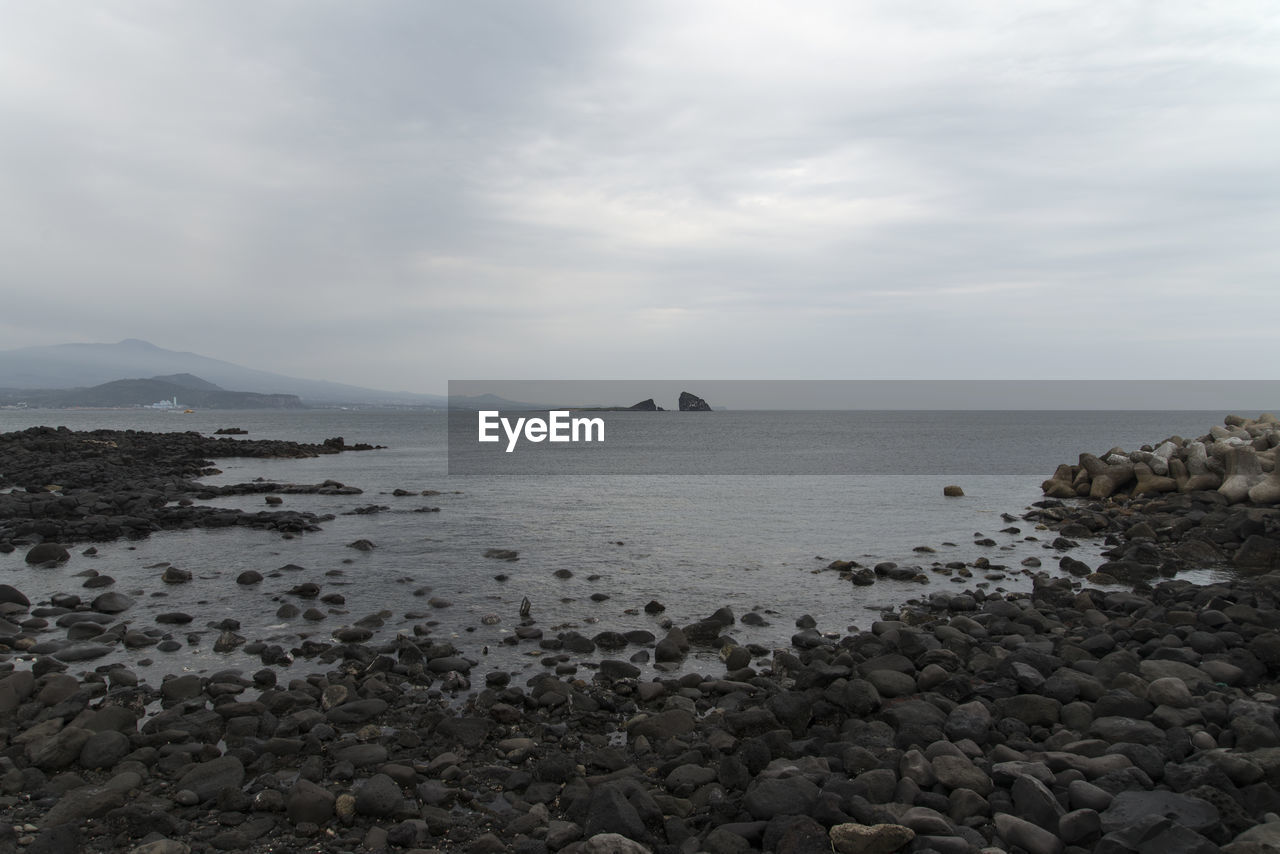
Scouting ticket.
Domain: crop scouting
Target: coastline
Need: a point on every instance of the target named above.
(953, 717)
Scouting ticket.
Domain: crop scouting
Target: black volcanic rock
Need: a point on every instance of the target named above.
(64, 486)
(646, 406)
(693, 403)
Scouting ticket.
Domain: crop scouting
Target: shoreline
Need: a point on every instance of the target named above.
(1015, 706)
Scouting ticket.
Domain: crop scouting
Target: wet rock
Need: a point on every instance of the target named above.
(1127, 730)
(227, 641)
(610, 812)
(82, 651)
(309, 803)
(1079, 827)
(1025, 835)
(173, 575)
(956, 772)
(47, 553)
(11, 595)
(84, 803)
(181, 688)
(851, 838)
(378, 796)
(56, 840)
(1156, 834)
(58, 751)
(112, 603)
(1127, 808)
(766, 798)
(104, 749)
(1034, 802)
(207, 779)
(664, 725)
(612, 843)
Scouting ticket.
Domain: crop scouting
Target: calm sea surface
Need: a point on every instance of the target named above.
(692, 542)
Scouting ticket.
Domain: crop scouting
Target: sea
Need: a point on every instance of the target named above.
(594, 549)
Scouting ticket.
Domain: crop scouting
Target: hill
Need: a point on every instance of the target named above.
(193, 392)
(81, 366)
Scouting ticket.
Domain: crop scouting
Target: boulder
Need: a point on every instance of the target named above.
(1025, 835)
(112, 603)
(1258, 553)
(309, 803)
(379, 796)
(612, 843)
(207, 779)
(870, 839)
(609, 811)
(1128, 807)
(769, 797)
(13, 596)
(47, 554)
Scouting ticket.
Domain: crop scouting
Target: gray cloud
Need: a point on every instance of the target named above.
(397, 193)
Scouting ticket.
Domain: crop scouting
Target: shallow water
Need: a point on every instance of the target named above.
(692, 543)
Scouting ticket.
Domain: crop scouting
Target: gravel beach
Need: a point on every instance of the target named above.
(1112, 708)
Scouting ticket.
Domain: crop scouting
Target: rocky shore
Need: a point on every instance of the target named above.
(1177, 504)
(66, 486)
(1078, 717)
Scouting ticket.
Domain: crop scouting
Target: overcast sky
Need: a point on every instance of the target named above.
(394, 194)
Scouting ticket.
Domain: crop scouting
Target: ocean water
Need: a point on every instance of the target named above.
(691, 542)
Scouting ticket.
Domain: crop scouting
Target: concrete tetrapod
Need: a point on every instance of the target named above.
(1243, 473)
(1267, 490)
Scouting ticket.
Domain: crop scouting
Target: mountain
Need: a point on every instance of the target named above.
(192, 392)
(469, 403)
(189, 381)
(64, 366)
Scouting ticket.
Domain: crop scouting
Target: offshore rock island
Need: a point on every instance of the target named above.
(1084, 715)
(693, 403)
(687, 403)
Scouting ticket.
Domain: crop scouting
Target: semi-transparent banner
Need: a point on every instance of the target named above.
(859, 427)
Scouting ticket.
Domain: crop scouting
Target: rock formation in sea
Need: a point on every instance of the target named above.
(693, 403)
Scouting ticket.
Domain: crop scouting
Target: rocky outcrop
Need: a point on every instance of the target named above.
(693, 403)
(646, 406)
(69, 486)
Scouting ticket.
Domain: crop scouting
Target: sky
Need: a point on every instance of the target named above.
(396, 194)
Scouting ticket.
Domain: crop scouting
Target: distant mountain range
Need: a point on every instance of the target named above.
(108, 372)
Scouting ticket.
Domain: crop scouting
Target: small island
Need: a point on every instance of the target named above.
(688, 403)
(693, 403)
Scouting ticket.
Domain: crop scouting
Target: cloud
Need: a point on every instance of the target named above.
(394, 193)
